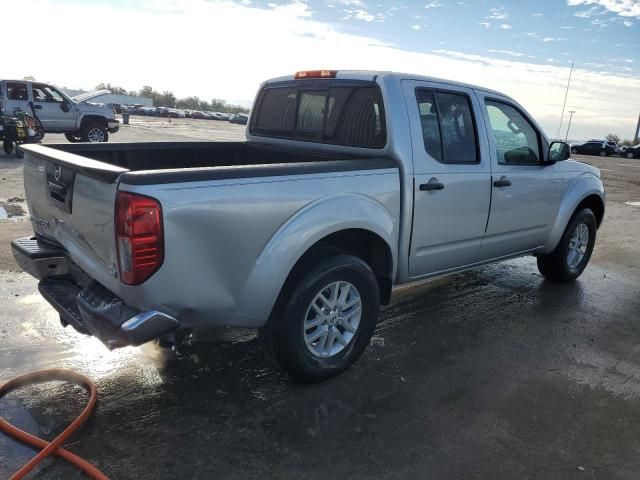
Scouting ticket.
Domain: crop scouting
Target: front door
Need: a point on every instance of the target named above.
(54, 111)
(526, 193)
(451, 177)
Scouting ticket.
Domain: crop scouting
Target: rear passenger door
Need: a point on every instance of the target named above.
(451, 177)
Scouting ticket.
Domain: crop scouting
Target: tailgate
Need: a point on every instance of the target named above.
(71, 200)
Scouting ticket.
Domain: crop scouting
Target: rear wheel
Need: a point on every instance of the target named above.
(95, 132)
(603, 153)
(73, 137)
(571, 256)
(326, 322)
(630, 155)
(574, 150)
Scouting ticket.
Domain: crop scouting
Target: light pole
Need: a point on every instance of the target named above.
(571, 112)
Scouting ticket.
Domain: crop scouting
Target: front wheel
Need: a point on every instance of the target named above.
(8, 147)
(328, 319)
(571, 256)
(95, 133)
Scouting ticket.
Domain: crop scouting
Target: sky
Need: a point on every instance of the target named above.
(225, 48)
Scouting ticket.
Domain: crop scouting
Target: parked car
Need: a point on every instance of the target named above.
(303, 230)
(199, 114)
(116, 107)
(630, 152)
(593, 147)
(76, 117)
(239, 118)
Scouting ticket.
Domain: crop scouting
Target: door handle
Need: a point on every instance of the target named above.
(433, 184)
(503, 182)
(37, 107)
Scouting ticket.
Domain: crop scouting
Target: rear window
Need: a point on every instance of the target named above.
(337, 114)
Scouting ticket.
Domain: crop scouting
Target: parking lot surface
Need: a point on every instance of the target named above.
(489, 374)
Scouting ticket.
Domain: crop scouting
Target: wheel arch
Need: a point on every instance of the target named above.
(348, 223)
(587, 191)
(86, 119)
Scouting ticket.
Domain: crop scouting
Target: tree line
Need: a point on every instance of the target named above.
(169, 100)
(612, 137)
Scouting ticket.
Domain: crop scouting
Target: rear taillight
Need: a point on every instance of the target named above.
(139, 239)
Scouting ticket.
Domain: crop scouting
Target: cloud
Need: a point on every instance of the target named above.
(433, 5)
(290, 38)
(628, 23)
(587, 13)
(507, 52)
(484, 24)
(363, 15)
(537, 14)
(505, 26)
(416, 27)
(624, 8)
(497, 14)
(553, 39)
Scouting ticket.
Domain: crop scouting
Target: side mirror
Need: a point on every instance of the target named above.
(558, 151)
(64, 106)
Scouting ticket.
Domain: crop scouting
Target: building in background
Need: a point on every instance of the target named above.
(113, 98)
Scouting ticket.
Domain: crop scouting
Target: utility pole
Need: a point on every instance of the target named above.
(565, 101)
(637, 136)
(571, 112)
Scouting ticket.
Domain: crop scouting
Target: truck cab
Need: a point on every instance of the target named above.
(75, 117)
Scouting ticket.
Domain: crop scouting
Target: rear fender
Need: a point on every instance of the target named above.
(303, 230)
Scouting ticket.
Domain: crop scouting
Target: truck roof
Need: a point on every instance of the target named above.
(373, 74)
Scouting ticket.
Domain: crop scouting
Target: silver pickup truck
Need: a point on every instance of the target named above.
(77, 118)
(349, 183)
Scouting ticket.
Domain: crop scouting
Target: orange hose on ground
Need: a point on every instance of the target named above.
(53, 447)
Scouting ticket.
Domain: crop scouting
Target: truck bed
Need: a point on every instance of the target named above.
(236, 216)
(169, 162)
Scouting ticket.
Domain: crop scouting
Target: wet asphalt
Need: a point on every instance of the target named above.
(489, 374)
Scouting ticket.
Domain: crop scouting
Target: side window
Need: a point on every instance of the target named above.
(17, 91)
(447, 126)
(517, 142)
(45, 93)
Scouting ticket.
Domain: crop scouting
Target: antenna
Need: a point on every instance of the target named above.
(571, 112)
(566, 93)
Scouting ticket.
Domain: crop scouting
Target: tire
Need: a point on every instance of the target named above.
(630, 155)
(603, 153)
(8, 147)
(559, 265)
(295, 322)
(95, 132)
(574, 150)
(73, 137)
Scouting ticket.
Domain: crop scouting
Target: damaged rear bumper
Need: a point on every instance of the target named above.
(85, 304)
